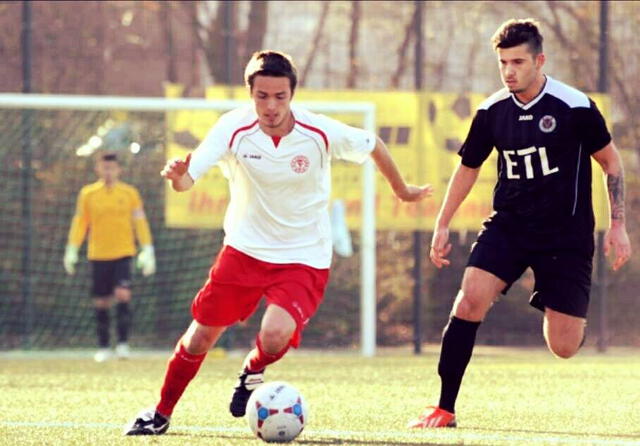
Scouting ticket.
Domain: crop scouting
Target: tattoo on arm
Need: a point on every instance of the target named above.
(615, 186)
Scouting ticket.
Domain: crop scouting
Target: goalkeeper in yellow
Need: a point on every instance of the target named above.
(112, 212)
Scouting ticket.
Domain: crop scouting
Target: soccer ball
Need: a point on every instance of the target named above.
(276, 412)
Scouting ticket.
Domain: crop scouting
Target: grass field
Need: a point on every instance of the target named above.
(509, 397)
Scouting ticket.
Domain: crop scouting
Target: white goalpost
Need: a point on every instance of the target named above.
(368, 212)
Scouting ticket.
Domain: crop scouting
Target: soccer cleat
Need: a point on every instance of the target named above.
(148, 422)
(433, 417)
(247, 383)
(122, 351)
(102, 355)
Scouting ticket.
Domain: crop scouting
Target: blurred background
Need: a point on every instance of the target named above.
(147, 48)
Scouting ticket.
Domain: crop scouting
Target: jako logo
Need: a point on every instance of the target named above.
(525, 118)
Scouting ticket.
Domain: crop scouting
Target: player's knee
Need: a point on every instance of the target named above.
(563, 351)
(122, 294)
(102, 303)
(198, 342)
(564, 348)
(470, 305)
(275, 338)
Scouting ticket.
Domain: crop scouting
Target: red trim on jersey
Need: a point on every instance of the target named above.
(317, 130)
(276, 140)
(246, 127)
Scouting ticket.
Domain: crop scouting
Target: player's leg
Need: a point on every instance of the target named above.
(218, 304)
(564, 333)
(563, 284)
(102, 292)
(494, 263)
(276, 331)
(272, 342)
(122, 293)
(185, 362)
(476, 296)
(293, 293)
(478, 292)
(182, 367)
(102, 309)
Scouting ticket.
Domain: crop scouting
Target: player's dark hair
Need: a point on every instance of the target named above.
(109, 157)
(516, 32)
(271, 63)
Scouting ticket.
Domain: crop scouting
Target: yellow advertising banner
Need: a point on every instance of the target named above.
(423, 131)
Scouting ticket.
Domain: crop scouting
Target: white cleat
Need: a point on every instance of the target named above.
(102, 355)
(122, 351)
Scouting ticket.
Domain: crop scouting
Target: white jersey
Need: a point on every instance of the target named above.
(279, 190)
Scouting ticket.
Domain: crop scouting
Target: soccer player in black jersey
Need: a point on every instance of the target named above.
(545, 133)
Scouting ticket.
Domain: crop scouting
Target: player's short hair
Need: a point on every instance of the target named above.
(109, 157)
(515, 32)
(271, 63)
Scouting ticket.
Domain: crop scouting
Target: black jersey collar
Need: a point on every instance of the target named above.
(535, 100)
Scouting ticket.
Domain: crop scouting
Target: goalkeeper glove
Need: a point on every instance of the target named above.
(147, 260)
(70, 259)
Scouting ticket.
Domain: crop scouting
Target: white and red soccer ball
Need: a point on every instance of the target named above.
(276, 412)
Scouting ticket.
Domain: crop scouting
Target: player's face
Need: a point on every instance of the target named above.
(108, 171)
(519, 68)
(272, 96)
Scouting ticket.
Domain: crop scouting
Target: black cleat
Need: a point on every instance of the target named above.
(148, 422)
(247, 383)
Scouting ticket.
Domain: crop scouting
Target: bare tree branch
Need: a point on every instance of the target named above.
(317, 37)
(352, 78)
(402, 51)
(167, 31)
(257, 28)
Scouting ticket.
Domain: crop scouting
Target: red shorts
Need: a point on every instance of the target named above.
(237, 282)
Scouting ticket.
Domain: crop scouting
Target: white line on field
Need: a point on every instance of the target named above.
(449, 434)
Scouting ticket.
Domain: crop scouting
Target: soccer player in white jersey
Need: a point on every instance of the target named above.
(545, 133)
(277, 159)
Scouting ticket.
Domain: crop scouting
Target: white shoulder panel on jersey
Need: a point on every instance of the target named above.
(496, 97)
(567, 94)
(303, 114)
(238, 117)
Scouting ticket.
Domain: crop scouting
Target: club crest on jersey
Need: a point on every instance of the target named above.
(547, 123)
(300, 164)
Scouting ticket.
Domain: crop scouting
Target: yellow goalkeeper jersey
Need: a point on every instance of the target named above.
(114, 216)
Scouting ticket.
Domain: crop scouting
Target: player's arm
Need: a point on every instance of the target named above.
(474, 151)
(77, 233)
(616, 236)
(176, 171)
(459, 187)
(146, 258)
(389, 169)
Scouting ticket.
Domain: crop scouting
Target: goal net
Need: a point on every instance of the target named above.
(46, 148)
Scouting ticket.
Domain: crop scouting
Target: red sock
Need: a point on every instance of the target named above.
(258, 359)
(181, 369)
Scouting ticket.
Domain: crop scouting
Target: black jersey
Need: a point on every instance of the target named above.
(544, 148)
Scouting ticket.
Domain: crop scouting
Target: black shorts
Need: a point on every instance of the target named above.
(562, 274)
(110, 274)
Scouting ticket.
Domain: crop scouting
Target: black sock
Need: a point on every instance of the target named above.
(102, 326)
(123, 313)
(458, 338)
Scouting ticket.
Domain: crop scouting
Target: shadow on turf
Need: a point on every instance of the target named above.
(543, 432)
(299, 440)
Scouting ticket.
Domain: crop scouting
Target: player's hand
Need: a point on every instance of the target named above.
(175, 168)
(617, 239)
(413, 193)
(440, 247)
(147, 260)
(70, 259)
